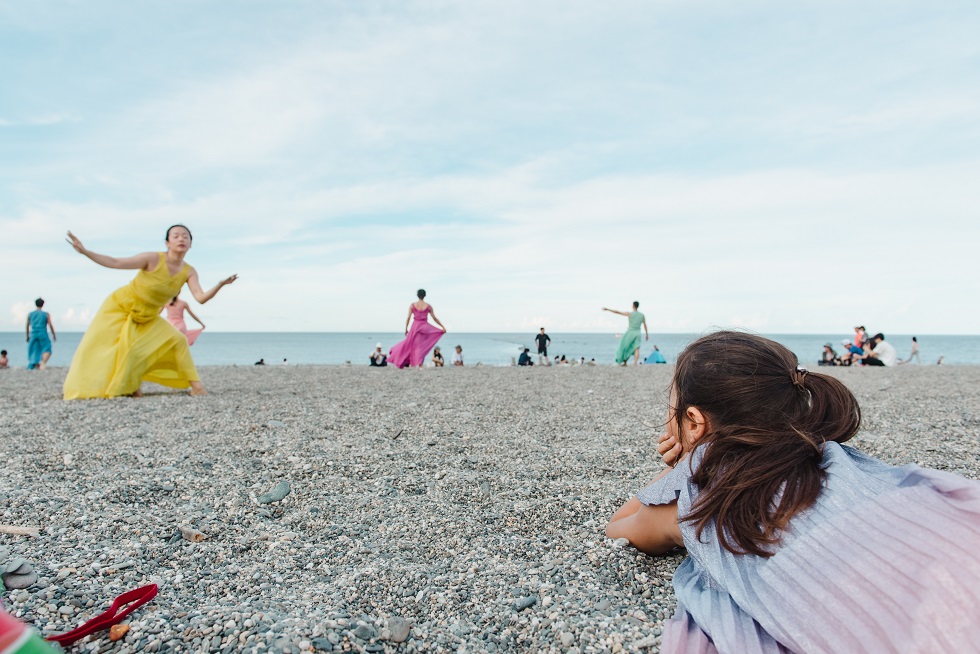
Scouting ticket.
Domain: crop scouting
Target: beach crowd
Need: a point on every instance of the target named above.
(868, 350)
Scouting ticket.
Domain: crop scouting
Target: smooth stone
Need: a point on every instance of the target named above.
(17, 582)
(400, 629)
(322, 645)
(525, 602)
(276, 423)
(277, 494)
(4, 552)
(365, 632)
(15, 565)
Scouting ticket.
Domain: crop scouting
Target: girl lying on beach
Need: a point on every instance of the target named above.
(796, 542)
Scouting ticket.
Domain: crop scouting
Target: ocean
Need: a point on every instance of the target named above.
(493, 349)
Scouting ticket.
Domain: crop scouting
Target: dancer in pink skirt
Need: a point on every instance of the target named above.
(175, 316)
(420, 338)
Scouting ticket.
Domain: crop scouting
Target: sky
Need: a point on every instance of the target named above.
(781, 167)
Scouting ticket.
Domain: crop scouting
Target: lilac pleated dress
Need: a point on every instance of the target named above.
(419, 341)
(886, 560)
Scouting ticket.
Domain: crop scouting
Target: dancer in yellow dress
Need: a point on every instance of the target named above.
(128, 341)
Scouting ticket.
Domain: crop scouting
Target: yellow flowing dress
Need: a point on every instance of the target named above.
(129, 342)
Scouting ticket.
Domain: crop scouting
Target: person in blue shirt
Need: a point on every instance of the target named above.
(38, 343)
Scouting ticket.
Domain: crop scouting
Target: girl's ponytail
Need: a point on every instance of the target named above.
(768, 419)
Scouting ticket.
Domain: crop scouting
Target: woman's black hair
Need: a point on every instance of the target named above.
(636, 305)
(915, 339)
(167, 237)
(421, 293)
(39, 303)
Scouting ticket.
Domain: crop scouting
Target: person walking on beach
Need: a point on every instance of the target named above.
(128, 342)
(543, 341)
(38, 343)
(826, 549)
(420, 338)
(629, 345)
(915, 352)
(175, 316)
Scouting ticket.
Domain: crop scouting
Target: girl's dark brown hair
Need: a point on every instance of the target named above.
(767, 422)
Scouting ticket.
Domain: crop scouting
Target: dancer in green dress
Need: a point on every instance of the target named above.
(630, 344)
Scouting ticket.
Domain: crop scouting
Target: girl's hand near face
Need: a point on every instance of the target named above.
(670, 450)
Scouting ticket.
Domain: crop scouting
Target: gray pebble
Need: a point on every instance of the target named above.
(400, 629)
(277, 494)
(525, 602)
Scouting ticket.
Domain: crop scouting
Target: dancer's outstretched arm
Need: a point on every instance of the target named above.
(188, 310)
(141, 261)
(200, 294)
(622, 313)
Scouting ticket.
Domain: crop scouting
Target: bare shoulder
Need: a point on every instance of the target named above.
(150, 260)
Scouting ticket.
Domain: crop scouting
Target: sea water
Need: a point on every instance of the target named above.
(493, 349)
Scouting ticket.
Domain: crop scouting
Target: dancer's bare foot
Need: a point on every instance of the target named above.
(197, 388)
(42, 366)
(137, 393)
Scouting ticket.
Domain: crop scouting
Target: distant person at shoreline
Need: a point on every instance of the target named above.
(656, 356)
(437, 360)
(829, 356)
(881, 354)
(128, 342)
(915, 352)
(852, 353)
(629, 345)
(525, 358)
(543, 341)
(175, 316)
(38, 343)
(4, 361)
(860, 336)
(420, 338)
(378, 358)
(796, 542)
(458, 357)
(260, 362)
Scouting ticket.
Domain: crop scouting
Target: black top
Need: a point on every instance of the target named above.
(543, 340)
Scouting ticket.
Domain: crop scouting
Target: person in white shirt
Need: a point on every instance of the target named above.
(378, 358)
(883, 353)
(458, 356)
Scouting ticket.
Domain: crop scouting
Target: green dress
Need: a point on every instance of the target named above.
(631, 339)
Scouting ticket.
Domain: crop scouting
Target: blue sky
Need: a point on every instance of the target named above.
(784, 167)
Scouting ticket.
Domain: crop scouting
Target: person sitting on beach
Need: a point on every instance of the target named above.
(852, 353)
(260, 362)
(458, 356)
(829, 356)
(4, 361)
(881, 354)
(591, 362)
(860, 336)
(525, 358)
(437, 359)
(828, 549)
(378, 358)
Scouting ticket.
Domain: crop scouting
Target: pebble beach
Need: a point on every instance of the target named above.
(333, 508)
